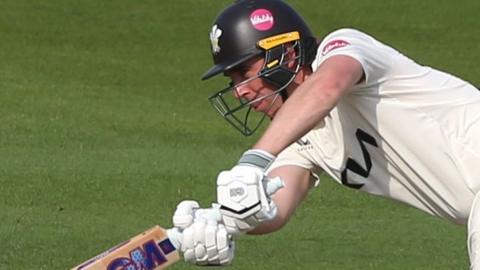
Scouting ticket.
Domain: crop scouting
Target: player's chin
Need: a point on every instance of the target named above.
(260, 107)
(267, 110)
(264, 107)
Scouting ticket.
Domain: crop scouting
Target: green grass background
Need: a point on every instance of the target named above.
(105, 127)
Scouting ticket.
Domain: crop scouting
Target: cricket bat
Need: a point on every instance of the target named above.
(154, 249)
(150, 250)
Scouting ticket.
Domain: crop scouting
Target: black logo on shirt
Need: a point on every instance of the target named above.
(303, 142)
(353, 166)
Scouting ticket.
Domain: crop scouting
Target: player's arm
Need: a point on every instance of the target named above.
(308, 105)
(311, 102)
(298, 181)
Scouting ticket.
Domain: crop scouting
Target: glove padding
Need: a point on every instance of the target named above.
(202, 240)
(243, 193)
(206, 242)
(185, 214)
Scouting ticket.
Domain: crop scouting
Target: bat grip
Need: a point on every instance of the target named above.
(175, 237)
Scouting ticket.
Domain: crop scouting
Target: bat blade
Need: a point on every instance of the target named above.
(150, 250)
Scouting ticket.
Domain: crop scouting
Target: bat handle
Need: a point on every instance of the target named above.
(175, 237)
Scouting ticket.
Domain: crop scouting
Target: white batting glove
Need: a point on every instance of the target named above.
(188, 211)
(199, 236)
(206, 242)
(185, 214)
(243, 193)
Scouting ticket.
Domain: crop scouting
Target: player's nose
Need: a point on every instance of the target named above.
(241, 91)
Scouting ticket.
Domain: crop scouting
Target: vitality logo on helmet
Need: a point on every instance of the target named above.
(262, 19)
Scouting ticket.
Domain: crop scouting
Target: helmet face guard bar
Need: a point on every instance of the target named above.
(242, 117)
(237, 111)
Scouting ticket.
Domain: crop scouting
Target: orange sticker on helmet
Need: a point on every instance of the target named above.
(274, 41)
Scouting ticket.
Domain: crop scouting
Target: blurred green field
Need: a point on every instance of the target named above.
(105, 127)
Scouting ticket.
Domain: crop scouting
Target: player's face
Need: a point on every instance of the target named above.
(250, 90)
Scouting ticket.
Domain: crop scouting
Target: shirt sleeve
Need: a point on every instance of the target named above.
(375, 57)
(290, 156)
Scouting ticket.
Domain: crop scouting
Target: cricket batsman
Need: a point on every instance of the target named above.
(348, 105)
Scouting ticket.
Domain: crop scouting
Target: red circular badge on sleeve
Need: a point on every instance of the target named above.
(334, 44)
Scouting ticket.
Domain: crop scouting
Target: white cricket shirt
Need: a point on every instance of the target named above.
(407, 132)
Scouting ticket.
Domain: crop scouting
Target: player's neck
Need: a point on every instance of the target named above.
(301, 76)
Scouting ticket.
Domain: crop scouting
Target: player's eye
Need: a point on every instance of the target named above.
(242, 70)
